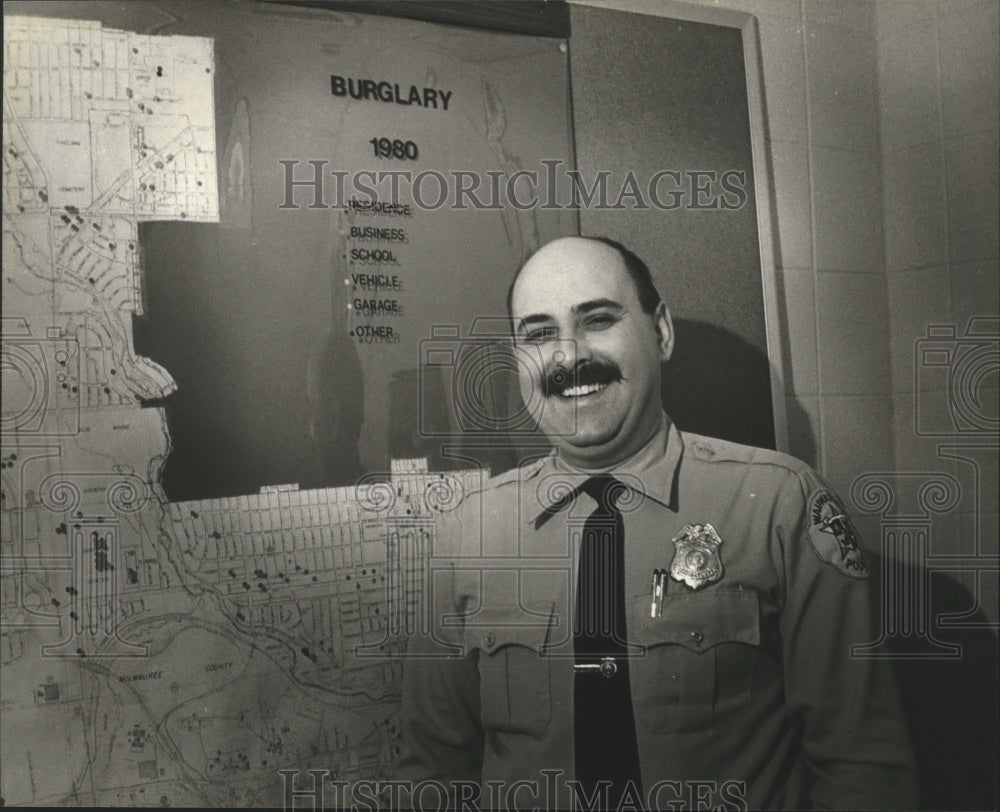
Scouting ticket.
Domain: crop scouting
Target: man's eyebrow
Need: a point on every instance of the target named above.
(537, 318)
(597, 304)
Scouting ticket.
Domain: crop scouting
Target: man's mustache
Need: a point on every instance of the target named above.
(597, 370)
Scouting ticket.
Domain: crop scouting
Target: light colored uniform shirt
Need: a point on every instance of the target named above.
(744, 690)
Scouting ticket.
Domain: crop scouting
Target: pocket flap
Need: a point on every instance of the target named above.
(699, 621)
(492, 628)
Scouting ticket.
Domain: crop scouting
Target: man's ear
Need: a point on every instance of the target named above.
(664, 330)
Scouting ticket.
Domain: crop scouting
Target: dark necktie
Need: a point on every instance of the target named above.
(604, 725)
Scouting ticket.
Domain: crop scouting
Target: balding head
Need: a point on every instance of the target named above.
(637, 270)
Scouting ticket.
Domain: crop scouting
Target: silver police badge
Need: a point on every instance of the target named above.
(696, 556)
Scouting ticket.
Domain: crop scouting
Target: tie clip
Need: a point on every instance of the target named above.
(607, 667)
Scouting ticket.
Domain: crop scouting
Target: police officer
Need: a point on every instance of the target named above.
(728, 584)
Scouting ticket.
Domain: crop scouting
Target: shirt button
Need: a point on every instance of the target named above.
(697, 637)
(490, 639)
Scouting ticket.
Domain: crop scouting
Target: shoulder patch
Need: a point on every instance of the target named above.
(833, 537)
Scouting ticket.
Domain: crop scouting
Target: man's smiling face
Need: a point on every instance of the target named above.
(588, 352)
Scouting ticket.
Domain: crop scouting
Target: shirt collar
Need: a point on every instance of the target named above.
(652, 471)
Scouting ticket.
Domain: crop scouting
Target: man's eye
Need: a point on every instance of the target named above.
(541, 334)
(600, 321)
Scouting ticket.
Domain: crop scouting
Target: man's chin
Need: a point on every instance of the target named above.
(567, 427)
(587, 449)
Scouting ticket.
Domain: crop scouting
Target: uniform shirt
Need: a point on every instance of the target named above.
(744, 690)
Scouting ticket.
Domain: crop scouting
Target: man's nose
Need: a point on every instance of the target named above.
(568, 352)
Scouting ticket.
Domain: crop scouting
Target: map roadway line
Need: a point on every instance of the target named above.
(162, 737)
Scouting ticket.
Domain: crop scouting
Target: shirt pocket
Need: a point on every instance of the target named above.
(698, 660)
(514, 674)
